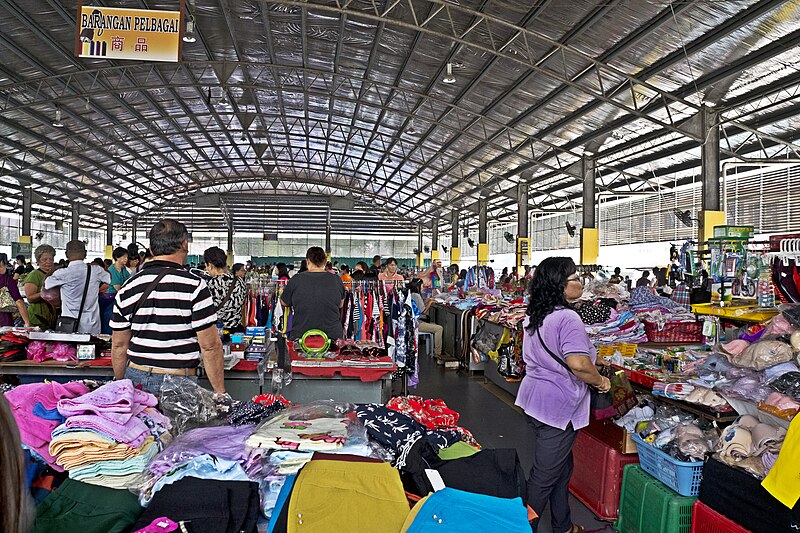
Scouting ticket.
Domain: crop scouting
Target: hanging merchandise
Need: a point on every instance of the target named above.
(479, 277)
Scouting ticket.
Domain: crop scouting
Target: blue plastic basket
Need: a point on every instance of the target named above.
(682, 477)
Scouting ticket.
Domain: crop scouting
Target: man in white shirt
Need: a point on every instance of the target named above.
(72, 281)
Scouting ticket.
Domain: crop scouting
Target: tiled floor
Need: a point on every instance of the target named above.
(489, 413)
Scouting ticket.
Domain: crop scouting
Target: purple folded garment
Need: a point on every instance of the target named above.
(117, 397)
(133, 433)
(35, 432)
(769, 458)
(227, 442)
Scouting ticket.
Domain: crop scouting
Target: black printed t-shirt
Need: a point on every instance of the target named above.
(316, 298)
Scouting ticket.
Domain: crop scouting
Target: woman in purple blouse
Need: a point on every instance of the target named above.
(554, 393)
(7, 280)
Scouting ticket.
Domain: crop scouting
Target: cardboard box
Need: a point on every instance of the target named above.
(611, 434)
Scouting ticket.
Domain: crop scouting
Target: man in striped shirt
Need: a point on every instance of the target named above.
(174, 326)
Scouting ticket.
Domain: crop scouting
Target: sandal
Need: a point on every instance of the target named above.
(576, 529)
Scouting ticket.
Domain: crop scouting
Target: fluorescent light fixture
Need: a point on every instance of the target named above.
(449, 79)
(188, 35)
(57, 122)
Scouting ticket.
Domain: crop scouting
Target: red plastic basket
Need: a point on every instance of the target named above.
(597, 476)
(674, 332)
(707, 520)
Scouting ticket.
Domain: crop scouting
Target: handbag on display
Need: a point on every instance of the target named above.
(68, 324)
(620, 399)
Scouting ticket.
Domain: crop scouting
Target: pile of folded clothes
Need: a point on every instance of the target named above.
(109, 435)
(619, 328)
(13, 347)
(750, 445)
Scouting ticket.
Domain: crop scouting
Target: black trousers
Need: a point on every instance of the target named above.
(550, 473)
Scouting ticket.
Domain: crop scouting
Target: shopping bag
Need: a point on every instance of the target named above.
(620, 399)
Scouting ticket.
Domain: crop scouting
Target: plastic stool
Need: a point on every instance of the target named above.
(426, 336)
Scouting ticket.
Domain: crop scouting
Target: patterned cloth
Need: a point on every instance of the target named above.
(399, 433)
(252, 412)
(594, 313)
(681, 296)
(229, 314)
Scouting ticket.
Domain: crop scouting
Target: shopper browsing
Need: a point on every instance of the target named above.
(40, 312)
(227, 290)
(316, 296)
(119, 275)
(79, 298)
(9, 294)
(554, 392)
(415, 286)
(391, 274)
(164, 318)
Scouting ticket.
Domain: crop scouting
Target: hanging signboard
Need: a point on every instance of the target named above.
(119, 33)
(21, 248)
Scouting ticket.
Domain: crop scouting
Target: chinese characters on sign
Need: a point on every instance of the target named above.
(117, 33)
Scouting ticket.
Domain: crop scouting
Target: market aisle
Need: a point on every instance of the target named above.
(489, 413)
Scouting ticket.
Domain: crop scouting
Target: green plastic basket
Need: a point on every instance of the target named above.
(648, 506)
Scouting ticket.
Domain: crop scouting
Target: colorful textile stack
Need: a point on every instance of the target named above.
(110, 435)
(34, 409)
(12, 347)
(433, 414)
(620, 328)
(317, 434)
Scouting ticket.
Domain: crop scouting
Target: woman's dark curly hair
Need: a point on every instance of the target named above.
(546, 289)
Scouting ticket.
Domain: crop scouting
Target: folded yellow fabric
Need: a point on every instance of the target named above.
(81, 448)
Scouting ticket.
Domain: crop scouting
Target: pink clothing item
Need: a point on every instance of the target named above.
(35, 432)
(734, 347)
(117, 397)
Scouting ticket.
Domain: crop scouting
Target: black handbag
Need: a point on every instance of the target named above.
(68, 324)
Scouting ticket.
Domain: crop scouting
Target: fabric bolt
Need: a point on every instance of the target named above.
(35, 432)
(455, 511)
(318, 434)
(550, 473)
(77, 507)
(549, 392)
(214, 506)
(204, 466)
(347, 496)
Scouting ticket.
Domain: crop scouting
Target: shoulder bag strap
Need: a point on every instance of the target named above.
(228, 294)
(148, 290)
(554, 356)
(85, 290)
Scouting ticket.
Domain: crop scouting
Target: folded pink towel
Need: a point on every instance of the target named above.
(116, 397)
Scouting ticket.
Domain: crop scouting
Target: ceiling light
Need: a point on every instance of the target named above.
(449, 79)
(188, 35)
(243, 137)
(57, 122)
(388, 160)
(224, 98)
(411, 129)
(88, 106)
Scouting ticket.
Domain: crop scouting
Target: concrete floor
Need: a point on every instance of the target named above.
(489, 413)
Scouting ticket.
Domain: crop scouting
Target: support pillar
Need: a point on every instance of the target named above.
(328, 233)
(134, 228)
(483, 232)
(25, 240)
(455, 250)
(420, 252)
(230, 246)
(435, 241)
(109, 234)
(75, 228)
(523, 240)
(590, 237)
(712, 214)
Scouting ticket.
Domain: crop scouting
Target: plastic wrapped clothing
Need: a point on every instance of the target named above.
(788, 384)
(189, 405)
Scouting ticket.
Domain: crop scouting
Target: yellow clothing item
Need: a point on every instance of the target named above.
(80, 448)
(413, 514)
(347, 496)
(783, 481)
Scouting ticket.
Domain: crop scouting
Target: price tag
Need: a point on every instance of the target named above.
(608, 350)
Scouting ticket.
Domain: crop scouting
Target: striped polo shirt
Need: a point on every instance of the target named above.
(164, 330)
